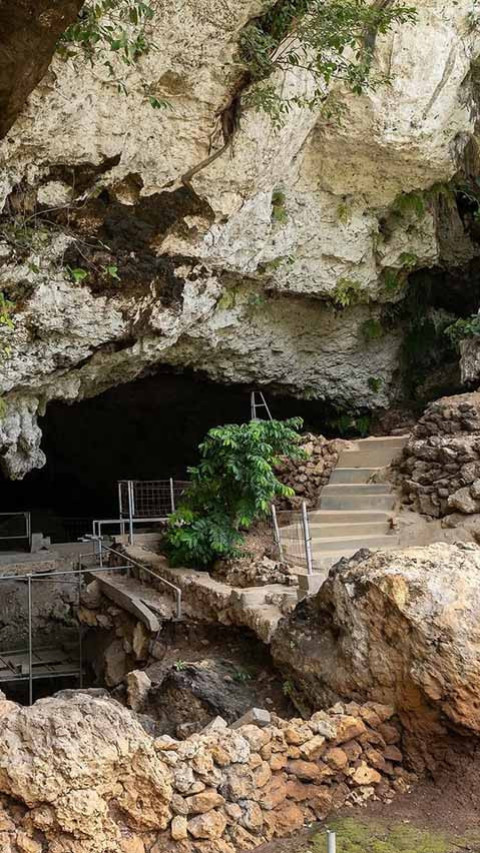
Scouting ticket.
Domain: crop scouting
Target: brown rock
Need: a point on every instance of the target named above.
(273, 794)
(336, 758)
(389, 732)
(179, 828)
(352, 749)
(287, 819)
(392, 753)
(204, 802)
(321, 802)
(305, 770)
(313, 748)
(209, 825)
(255, 736)
(252, 816)
(27, 844)
(278, 761)
(262, 775)
(255, 761)
(349, 728)
(365, 775)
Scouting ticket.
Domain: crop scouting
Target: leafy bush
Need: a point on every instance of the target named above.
(331, 40)
(110, 32)
(347, 292)
(463, 328)
(232, 487)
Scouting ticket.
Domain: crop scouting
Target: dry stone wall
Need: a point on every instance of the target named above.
(308, 477)
(80, 775)
(440, 469)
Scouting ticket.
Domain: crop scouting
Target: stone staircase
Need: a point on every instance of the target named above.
(354, 511)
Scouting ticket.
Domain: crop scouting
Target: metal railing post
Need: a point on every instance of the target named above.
(30, 642)
(307, 538)
(80, 632)
(120, 508)
(130, 511)
(331, 842)
(172, 494)
(276, 531)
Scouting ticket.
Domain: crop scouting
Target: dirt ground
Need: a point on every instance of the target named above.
(440, 815)
(254, 669)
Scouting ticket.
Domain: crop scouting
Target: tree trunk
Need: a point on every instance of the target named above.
(29, 31)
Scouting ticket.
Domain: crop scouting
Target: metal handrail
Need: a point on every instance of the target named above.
(176, 589)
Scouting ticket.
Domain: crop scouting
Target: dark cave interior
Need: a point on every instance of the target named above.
(146, 429)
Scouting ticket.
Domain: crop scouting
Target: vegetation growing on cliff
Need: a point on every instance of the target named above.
(232, 487)
(109, 32)
(328, 40)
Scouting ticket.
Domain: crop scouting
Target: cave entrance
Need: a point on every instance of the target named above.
(148, 429)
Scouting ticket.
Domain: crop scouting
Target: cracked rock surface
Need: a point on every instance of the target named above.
(236, 274)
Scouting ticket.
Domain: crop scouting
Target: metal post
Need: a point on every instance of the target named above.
(307, 538)
(331, 842)
(172, 494)
(80, 633)
(130, 511)
(120, 509)
(276, 531)
(30, 641)
(253, 408)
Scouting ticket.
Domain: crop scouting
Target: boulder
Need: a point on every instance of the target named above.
(397, 628)
(83, 755)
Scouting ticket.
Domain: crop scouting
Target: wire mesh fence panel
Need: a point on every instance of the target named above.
(292, 537)
(150, 498)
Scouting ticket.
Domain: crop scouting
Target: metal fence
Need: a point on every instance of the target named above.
(60, 654)
(293, 538)
(143, 502)
(149, 498)
(16, 526)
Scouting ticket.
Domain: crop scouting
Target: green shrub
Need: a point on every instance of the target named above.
(408, 204)
(232, 487)
(463, 328)
(372, 329)
(347, 292)
(332, 41)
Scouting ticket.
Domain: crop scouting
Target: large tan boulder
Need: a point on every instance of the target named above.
(78, 762)
(400, 628)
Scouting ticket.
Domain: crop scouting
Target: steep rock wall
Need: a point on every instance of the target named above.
(238, 273)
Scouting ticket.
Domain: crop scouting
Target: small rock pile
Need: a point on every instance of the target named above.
(440, 469)
(236, 789)
(254, 570)
(307, 477)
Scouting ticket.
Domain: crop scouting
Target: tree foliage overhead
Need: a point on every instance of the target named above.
(233, 486)
(330, 39)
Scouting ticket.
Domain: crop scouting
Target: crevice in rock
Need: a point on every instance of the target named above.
(30, 30)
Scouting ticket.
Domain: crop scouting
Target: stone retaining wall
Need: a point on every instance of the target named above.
(440, 469)
(236, 789)
(308, 477)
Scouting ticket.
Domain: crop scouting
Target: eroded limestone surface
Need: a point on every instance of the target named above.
(210, 275)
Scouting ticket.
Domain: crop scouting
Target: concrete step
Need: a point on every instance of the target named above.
(355, 502)
(382, 441)
(326, 531)
(347, 516)
(350, 543)
(353, 475)
(367, 458)
(357, 489)
(324, 560)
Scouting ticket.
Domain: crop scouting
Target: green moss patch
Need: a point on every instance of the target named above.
(363, 836)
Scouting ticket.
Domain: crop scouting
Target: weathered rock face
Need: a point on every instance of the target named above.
(399, 628)
(78, 775)
(212, 276)
(440, 469)
(71, 761)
